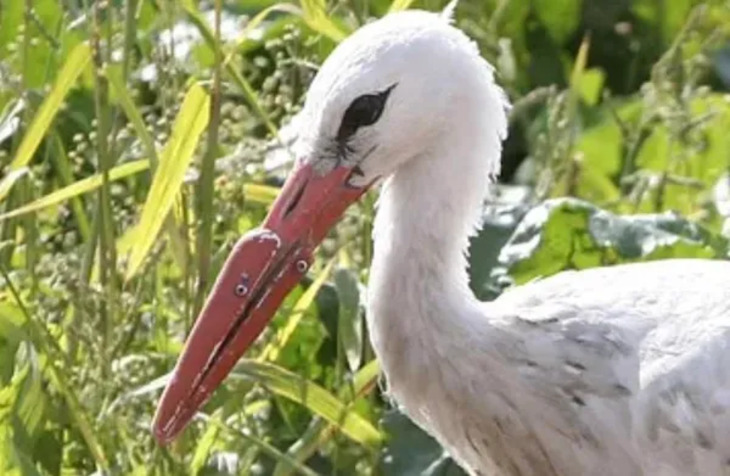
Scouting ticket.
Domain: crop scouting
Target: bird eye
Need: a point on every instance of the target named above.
(363, 111)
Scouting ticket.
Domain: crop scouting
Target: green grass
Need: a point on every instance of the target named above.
(129, 168)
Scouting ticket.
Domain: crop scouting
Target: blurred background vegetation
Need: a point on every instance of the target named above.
(140, 138)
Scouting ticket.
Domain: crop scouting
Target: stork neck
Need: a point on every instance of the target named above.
(427, 210)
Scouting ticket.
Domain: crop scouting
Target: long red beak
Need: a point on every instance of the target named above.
(263, 267)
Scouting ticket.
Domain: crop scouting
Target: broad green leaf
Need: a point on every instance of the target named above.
(10, 19)
(560, 17)
(350, 318)
(315, 398)
(315, 16)
(590, 84)
(601, 145)
(75, 63)
(498, 224)
(665, 19)
(174, 160)
(78, 188)
(410, 451)
(571, 234)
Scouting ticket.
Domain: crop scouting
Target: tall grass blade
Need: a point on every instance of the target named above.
(72, 68)
(78, 188)
(320, 431)
(119, 89)
(260, 193)
(272, 350)
(315, 398)
(204, 187)
(265, 447)
(315, 16)
(175, 158)
(48, 346)
(248, 91)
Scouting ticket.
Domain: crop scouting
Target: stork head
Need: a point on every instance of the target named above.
(386, 94)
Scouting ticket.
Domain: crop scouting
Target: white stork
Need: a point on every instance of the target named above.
(614, 371)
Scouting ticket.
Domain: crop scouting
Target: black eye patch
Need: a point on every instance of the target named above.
(364, 111)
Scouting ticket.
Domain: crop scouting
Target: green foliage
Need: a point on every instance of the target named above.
(116, 211)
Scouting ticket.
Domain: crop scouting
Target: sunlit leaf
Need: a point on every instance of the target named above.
(205, 445)
(174, 160)
(560, 17)
(264, 194)
(78, 188)
(571, 234)
(320, 431)
(589, 85)
(75, 63)
(318, 400)
(272, 350)
(315, 16)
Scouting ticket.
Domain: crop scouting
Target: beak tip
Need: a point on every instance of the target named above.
(164, 431)
(165, 427)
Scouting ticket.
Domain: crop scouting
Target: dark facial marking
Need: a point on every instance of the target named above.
(578, 401)
(363, 111)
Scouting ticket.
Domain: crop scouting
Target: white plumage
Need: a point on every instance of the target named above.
(615, 371)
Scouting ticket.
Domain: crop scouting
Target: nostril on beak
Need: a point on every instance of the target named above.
(294, 201)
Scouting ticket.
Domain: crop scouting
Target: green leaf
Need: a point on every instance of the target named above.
(116, 81)
(315, 16)
(571, 234)
(78, 188)
(274, 348)
(319, 431)
(75, 63)
(11, 335)
(267, 448)
(205, 445)
(589, 85)
(11, 17)
(315, 398)
(350, 317)
(259, 193)
(498, 224)
(175, 158)
(412, 452)
(400, 5)
(559, 17)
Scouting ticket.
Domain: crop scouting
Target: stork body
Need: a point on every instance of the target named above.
(620, 371)
(609, 371)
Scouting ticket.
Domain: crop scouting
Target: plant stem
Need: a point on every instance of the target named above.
(207, 173)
